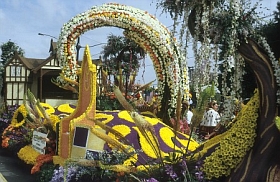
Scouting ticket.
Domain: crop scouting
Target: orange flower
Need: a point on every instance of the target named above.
(5, 142)
(36, 168)
(40, 160)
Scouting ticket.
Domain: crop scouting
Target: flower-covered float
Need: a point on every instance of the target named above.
(171, 73)
(122, 142)
(243, 153)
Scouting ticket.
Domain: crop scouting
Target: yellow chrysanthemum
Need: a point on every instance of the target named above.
(142, 168)
(19, 116)
(167, 134)
(65, 108)
(126, 116)
(146, 146)
(153, 121)
(131, 160)
(106, 118)
(54, 120)
(123, 129)
(48, 108)
(28, 154)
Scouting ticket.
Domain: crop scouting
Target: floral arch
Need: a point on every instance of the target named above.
(139, 26)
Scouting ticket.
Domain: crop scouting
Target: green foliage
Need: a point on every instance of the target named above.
(107, 103)
(205, 96)
(271, 31)
(46, 172)
(122, 53)
(8, 50)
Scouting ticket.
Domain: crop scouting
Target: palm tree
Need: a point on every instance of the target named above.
(121, 59)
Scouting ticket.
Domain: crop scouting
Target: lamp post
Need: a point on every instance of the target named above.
(78, 47)
(42, 34)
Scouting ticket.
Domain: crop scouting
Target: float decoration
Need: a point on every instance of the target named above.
(86, 106)
(142, 28)
(98, 123)
(254, 126)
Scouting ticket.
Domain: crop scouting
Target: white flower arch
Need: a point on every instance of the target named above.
(139, 26)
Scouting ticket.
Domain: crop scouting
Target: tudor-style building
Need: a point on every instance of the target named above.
(23, 73)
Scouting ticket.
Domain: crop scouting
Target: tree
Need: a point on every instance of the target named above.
(121, 57)
(271, 32)
(8, 51)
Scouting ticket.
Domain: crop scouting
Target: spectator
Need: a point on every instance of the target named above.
(211, 118)
(187, 113)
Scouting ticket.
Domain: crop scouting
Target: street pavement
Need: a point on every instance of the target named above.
(13, 169)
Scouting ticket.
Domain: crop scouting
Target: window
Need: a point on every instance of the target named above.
(18, 73)
(15, 71)
(80, 137)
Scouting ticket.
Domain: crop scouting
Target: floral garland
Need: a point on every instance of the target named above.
(226, 23)
(139, 26)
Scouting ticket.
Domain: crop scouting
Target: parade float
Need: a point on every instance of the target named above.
(127, 146)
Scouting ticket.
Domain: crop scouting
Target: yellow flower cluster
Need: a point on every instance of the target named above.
(54, 120)
(28, 154)
(147, 146)
(125, 115)
(119, 168)
(123, 129)
(19, 117)
(235, 143)
(48, 108)
(106, 118)
(131, 160)
(65, 108)
(167, 134)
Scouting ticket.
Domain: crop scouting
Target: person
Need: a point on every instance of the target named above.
(211, 118)
(187, 113)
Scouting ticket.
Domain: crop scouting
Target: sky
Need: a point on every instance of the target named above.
(22, 20)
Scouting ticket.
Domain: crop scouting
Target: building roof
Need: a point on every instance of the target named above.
(33, 64)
